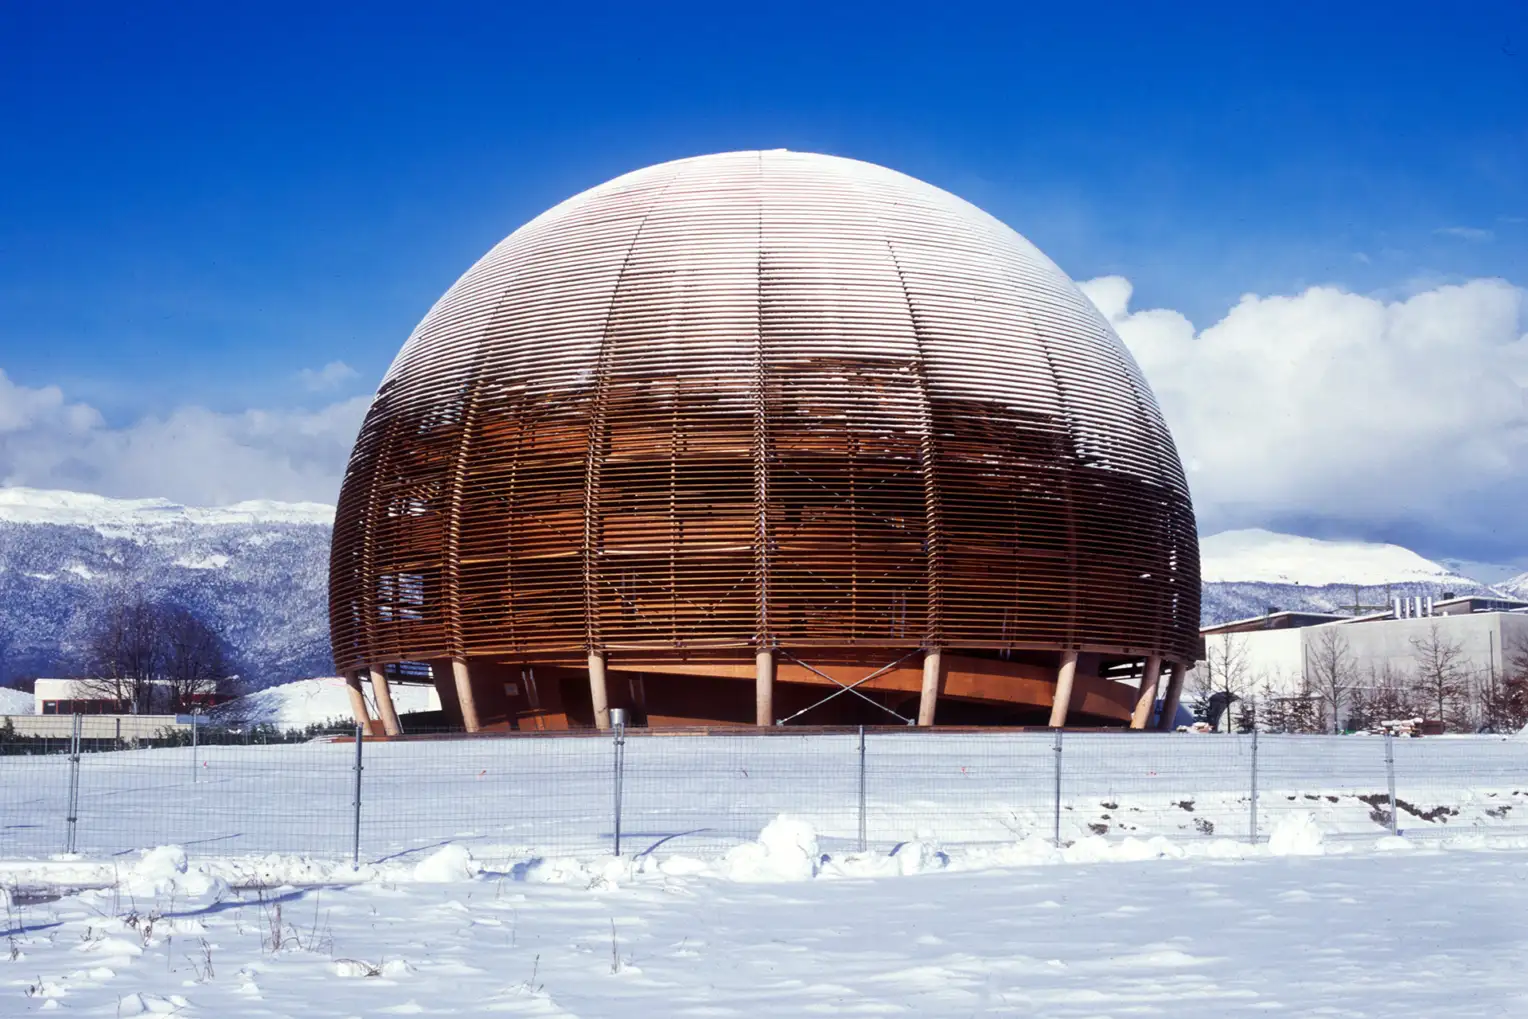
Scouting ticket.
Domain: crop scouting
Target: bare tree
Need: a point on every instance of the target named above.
(1442, 675)
(1285, 705)
(1223, 678)
(1330, 671)
(122, 654)
(194, 659)
(1383, 696)
(147, 657)
(1504, 699)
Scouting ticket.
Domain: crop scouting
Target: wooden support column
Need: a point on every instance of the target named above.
(1066, 676)
(384, 697)
(933, 672)
(597, 690)
(1170, 699)
(463, 679)
(764, 687)
(1146, 699)
(358, 700)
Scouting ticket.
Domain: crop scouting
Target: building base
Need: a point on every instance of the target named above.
(975, 688)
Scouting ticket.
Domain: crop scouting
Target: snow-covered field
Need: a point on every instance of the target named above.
(778, 927)
(487, 881)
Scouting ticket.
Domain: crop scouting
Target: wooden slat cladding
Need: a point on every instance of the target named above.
(762, 398)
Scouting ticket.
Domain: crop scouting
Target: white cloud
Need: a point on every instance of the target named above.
(1350, 408)
(192, 455)
(330, 376)
(1466, 233)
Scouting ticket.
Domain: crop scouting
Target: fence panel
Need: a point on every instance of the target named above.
(1444, 785)
(1340, 780)
(497, 795)
(532, 794)
(1120, 785)
(34, 797)
(703, 793)
(955, 787)
(233, 799)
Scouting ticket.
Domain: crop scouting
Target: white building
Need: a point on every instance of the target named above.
(93, 697)
(1275, 652)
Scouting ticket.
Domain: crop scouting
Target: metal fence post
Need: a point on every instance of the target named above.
(194, 727)
(74, 787)
(1252, 820)
(1056, 827)
(355, 824)
(862, 788)
(618, 730)
(1390, 777)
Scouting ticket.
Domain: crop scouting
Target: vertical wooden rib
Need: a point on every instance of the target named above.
(451, 550)
(763, 639)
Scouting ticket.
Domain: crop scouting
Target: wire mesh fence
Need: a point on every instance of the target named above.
(700, 793)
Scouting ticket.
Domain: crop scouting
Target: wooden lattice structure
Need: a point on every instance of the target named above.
(723, 432)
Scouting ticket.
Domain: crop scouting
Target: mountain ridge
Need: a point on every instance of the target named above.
(256, 572)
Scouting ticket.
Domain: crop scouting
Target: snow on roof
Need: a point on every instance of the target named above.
(1258, 556)
(81, 509)
(1241, 625)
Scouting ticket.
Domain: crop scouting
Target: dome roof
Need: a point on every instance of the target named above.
(763, 397)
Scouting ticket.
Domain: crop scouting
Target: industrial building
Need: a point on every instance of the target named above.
(1275, 651)
(761, 438)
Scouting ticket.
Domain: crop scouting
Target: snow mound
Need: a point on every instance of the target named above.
(786, 850)
(1296, 835)
(1265, 557)
(165, 872)
(143, 1003)
(16, 702)
(919, 858)
(446, 864)
(305, 702)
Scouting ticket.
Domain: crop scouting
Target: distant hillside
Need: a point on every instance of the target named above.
(258, 572)
(1517, 586)
(1245, 573)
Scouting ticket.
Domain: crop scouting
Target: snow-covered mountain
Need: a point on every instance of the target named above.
(258, 572)
(1270, 558)
(1516, 586)
(1247, 572)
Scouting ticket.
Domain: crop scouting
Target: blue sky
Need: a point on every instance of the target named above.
(200, 202)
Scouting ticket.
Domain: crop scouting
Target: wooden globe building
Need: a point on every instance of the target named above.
(762, 437)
